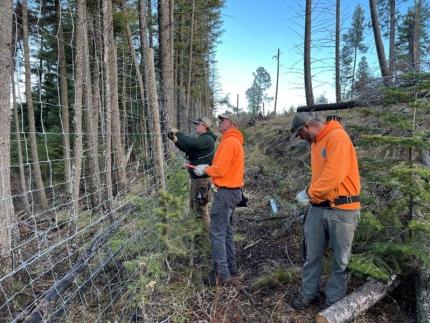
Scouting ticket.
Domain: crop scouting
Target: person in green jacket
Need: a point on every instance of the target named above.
(199, 150)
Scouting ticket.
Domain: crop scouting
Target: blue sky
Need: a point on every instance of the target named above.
(255, 29)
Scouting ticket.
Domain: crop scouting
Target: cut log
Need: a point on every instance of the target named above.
(357, 302)
(328, 106)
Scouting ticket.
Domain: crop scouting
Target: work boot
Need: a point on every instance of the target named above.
(233, 271)
(214, 279)
(301, 303)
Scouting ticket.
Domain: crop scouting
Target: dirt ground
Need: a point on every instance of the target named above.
(262, 247)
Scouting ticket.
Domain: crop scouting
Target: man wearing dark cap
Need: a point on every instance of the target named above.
(333, 195)
(199, 150)
(227, 172)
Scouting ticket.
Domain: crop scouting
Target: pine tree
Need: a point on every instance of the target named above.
(256, 93)
(354, 38)
(363, 77)
(413, 38)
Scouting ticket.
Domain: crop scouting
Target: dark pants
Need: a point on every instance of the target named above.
(200, 196)
(221, 231)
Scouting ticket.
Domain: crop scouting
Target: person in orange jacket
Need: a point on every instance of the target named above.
(227, 172)
(334, 198)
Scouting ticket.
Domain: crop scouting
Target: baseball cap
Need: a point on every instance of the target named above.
(299, 121)
(205, 121)
(230, 116)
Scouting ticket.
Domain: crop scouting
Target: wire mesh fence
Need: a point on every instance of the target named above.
(59, 258)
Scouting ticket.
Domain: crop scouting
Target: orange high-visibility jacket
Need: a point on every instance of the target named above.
(334, 167)
(229, 162)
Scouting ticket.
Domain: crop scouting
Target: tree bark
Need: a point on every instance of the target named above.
(166, 62)
(30, 111)
(190, 56)
(392, 53)
(77, 118)
(385, 72)
(337, 54)
(141, 87)
(23, 182)
(6, 205)
(115, 119)
(357, 302)
(64, 99)
(145, 124)
(107, 25)
(91, 128)
(153, 105)
(307, 54)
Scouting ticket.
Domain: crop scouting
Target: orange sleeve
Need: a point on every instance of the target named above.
(222, 161)
(335, 168)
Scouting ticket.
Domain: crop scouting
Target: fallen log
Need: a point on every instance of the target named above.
(45, 305)
(357, 302)
(328, 106)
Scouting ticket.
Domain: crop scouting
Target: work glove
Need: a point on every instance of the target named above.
(302, 198)
(200, 169)
(172, 134)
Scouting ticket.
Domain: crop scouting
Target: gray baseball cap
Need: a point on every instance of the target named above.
(230, 116)
(299, 121)
(203, 120)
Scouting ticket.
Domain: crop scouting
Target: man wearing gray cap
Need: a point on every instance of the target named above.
(199, 150)
(334, 198)
(227, 173)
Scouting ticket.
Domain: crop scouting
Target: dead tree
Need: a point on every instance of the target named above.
(307, 54)
(385, 72)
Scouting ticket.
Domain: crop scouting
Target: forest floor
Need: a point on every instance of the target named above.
(269, 246)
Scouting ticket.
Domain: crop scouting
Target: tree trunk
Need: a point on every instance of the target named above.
(357, 302)
(81, 30)
(166, 62)
(145, 123)
(353, 73)
(124, 118)
(307, 54)
(30, 111)
(141, 87)
(423, 296)
(6, 205)
(115, 119)
(153, 105)
(190, 56)
(107, 25)
(91, 129)
(415, 40)
(277, 81)
(64, 99)
(337, 54)
(23, 183)
(150, 24)
(385, 72)
(392, 53)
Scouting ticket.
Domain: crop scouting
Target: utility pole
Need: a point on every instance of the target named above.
(277, 80)
(237, 104)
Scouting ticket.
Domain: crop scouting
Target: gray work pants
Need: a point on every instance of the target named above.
(221, 231)
(334, 228)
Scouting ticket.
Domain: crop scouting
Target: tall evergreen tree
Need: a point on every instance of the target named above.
(355, 39)
(256, 93)
(414, 37)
